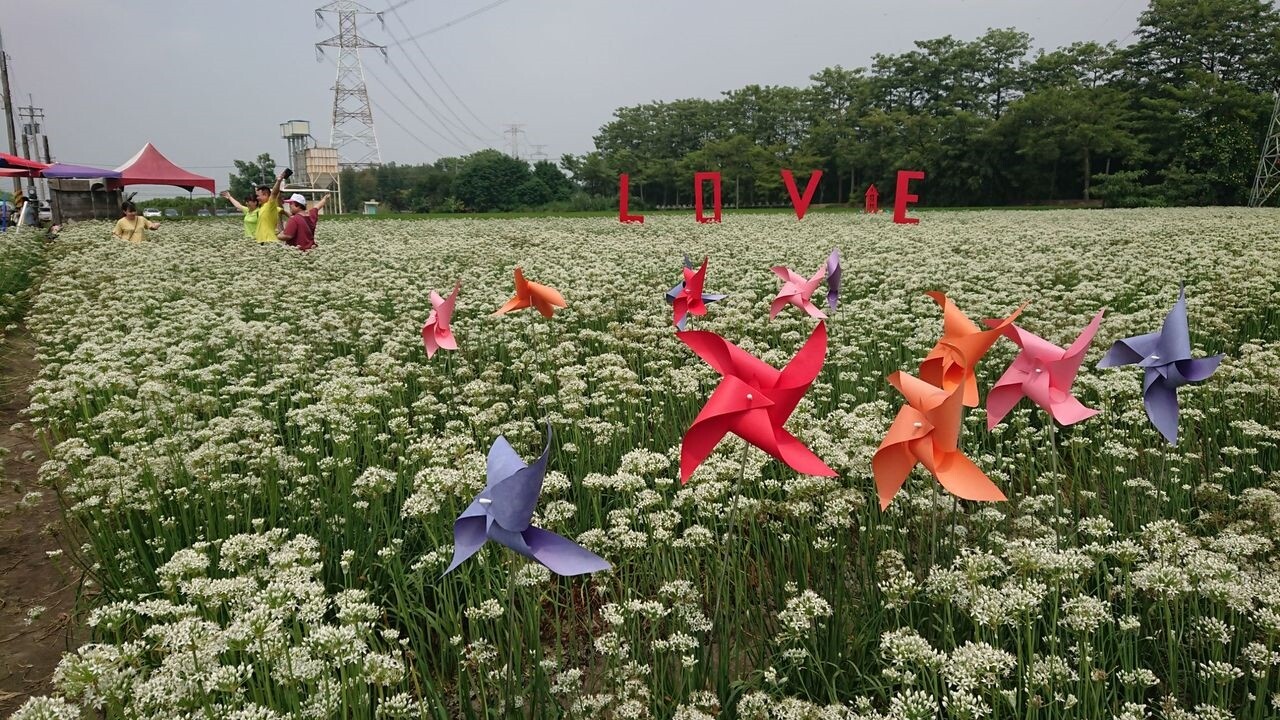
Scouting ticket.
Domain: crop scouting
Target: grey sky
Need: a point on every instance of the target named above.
(211, 82)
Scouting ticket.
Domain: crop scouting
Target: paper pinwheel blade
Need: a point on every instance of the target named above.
(503, 512)
(753, 401)
(1165, 357)
(436, 333)
(926, 432)
(1044, 373)
(544, 298)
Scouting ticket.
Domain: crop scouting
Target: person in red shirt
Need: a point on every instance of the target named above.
(300, 229)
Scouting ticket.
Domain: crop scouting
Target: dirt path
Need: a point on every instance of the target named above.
(29, 579)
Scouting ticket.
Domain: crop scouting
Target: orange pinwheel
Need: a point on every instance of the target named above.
(530, 294)
(951, 363)
(927, 432)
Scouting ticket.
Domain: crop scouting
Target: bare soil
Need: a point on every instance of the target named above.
(31, 640)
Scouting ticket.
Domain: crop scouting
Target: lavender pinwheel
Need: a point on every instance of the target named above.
(503, 511)
(1165, 356)
(678, 291)
(833, 278)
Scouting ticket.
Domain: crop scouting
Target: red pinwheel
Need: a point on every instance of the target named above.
(753, 401)
(687, 298)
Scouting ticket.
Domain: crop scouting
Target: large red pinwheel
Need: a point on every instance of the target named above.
(753, 401)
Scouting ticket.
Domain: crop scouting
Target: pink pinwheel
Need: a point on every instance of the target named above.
(436, 334)
(798, 291)
(1043, 372)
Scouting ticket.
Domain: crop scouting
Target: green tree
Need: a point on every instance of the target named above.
(488, 179)
(249, 175)
(558, 185)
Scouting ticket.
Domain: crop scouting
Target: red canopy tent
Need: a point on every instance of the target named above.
(149, 167)
(13, 162)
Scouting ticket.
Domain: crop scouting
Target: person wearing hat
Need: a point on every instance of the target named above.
(299, 230)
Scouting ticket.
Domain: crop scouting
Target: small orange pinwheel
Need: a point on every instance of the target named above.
(927, 431)
(952, 361)
(530, 294)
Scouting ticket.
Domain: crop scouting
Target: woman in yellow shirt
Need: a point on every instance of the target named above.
(133, 227)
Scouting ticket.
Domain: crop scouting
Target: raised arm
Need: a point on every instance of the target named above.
(275, 189)
(323, 200)
(234, 203)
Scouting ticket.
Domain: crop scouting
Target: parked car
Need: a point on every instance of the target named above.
(171, 212)
(203, 212)
(46, 213)
(222, 212)
(151, 212)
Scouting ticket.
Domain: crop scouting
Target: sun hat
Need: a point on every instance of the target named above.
(298, 198)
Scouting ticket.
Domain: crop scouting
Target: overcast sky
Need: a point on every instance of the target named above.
(211, 82)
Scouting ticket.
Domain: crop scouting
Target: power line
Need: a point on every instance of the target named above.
(457, 140)
(393, 10)
(407, 131)
(451, 23)
(410, 110)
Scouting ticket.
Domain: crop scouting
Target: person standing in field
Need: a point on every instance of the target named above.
(250, 211)
(300, 229)
(269, 210)
(133, 227)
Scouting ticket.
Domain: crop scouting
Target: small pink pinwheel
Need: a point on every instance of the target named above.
(798, 291)
(436, 334)
(1043, 372)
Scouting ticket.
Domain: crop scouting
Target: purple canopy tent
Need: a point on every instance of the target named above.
(65, 171)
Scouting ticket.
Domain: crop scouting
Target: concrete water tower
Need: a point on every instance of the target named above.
(298, 134)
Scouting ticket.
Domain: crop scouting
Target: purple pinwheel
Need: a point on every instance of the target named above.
(833, 279)
(503, 511)
(694, 299)
(1166, 358)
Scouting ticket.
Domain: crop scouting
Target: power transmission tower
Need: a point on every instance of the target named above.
(1267, 180)
(514, 130)
(538, 152)
(352, 132)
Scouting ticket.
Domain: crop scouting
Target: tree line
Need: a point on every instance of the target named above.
(1176, 117)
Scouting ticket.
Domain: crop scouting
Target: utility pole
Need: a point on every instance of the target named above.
(32, 128)
(514, 130)
(352, 133)
(8, 107)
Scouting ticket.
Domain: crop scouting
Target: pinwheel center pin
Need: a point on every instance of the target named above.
(485, 501)
(1039, 370)
(917, 424)
(1155, 357)
(749, 396)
